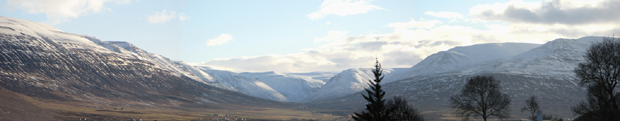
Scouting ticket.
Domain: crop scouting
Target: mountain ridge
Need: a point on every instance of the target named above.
(44, 62)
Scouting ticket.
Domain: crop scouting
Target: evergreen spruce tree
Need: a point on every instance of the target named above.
(375, 109)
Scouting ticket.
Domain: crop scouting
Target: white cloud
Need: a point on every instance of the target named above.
(59, 11)
(331, 35)
(570, 12)
(411, 41)
(165, 16)
(342, 8)
(404, 47)
(220, 40)
(183, 17)
(444, 14)
(161, 17)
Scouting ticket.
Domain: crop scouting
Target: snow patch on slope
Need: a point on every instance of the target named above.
(460, 57)
(244, 84)
(14, 26)
(554, 58)
(348, 82)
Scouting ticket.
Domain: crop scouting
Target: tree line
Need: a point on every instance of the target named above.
(481, 96)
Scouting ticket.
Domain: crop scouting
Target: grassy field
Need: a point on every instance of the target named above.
(78, 110)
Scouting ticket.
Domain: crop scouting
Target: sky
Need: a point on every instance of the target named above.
(314, 35)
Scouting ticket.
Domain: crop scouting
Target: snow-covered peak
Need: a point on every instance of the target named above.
(70, 41)
(353, 75)
(20, 26)
(561, 45)
(13, 26)
(244, 84)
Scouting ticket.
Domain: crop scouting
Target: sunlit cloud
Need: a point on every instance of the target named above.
(569, 12)
(411, 41)
(183, 17)
(220, 40)
(161, 17)
(402, 48)
(59, 11)
(342, 8)
(165, 16)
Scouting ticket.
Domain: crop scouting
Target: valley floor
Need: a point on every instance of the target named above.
(19, 107)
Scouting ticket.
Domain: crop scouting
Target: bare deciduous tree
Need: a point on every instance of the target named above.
(481, 97)
(601, 74)
(531, 106)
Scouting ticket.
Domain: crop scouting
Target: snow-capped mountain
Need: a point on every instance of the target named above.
(459, 57)
(178, 68)
(42, 61)
(83, 42)
(244, 84)
(348, 82)
(127, 51)
(295, 88)
(555, 58)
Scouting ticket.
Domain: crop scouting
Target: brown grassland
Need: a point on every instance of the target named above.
(19, 107)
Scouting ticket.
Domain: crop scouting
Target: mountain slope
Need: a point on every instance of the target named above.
(555, 58)
(176, 67)
(43, 62)
(347, 82)
(459, 57)
(244, 84)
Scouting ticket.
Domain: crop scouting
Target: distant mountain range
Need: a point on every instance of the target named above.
(544, 70)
